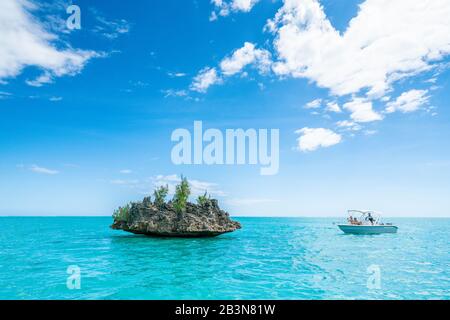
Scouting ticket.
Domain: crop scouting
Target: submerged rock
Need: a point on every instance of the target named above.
(206, 220)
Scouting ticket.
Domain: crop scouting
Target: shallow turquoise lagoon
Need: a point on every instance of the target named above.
(270, 258)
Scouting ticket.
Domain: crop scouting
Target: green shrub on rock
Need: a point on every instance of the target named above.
(203, 199)
(160, 195)
(122, 214)
(182, 193)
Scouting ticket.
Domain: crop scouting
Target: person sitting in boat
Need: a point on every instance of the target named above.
(353, 221)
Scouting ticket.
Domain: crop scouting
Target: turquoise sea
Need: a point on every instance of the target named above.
(270, 258)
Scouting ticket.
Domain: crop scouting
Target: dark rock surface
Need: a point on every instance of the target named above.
(206, 220)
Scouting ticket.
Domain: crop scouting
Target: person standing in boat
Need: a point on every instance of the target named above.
(370, 218)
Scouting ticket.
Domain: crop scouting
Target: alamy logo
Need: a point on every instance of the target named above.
(237, 147)
(74, 279)
(374, 279)
(74, 20)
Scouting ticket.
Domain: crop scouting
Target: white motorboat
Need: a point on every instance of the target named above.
(366, 222)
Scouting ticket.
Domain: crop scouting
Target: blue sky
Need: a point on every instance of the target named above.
(359, 94)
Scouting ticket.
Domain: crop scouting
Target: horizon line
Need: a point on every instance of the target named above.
(233, 216)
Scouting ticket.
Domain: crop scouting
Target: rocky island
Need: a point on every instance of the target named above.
(176, 218)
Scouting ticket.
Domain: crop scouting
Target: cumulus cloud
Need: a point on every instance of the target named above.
(362, 110)
(197, 187)
(315, 104)
(333, 107)
(24, 42)
(224, 7)
(386, 41)
(244, 56)
(44, 78)
(313, 138)
(349, 125)
(408, 101)
(243, 5)
(205, 78)
(231, 65)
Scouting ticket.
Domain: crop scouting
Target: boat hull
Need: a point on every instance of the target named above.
(367, 229)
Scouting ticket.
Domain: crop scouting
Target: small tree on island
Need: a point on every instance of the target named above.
(122, 214)
(203, 199)
(160, 195)
(182, 193)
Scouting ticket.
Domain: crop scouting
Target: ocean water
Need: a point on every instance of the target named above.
(270, 258)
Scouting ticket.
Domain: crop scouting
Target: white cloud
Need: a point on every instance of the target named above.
(235, 63)
(387, 41)
(24, 42)
(315, 104)
(110, 29)
(4, 94)
(139, 84)
(197, 187)
(44, 78)
(176, 74)
(205, 78)
(333, 107)
(329, 106)
(174, 93)
(313, 138)
(244, 56)
(224, 8)
(55, 99)
(213, 16)
(43, 170)
(370, 132)
(408, 101)
(362, 111)
(349, 125)
(243, 5)
(53, 19)
(126, 171)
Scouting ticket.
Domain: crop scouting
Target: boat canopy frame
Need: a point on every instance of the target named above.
(363, 214)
